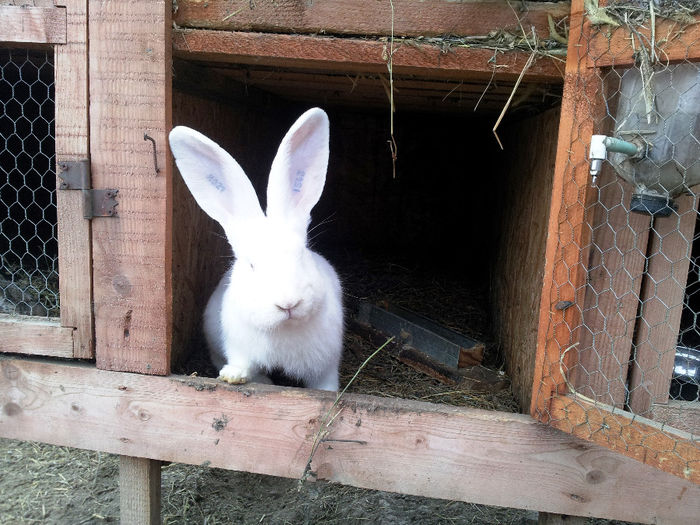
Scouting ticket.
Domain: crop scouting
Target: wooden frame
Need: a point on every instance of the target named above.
(404, 446)
(358, 17)
(129, 100)
(568, 282)
(33, 25)
(674, 42)
(67, 28)
(380, 443)
(353, 55)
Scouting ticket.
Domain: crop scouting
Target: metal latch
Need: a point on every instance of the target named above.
(96, 203)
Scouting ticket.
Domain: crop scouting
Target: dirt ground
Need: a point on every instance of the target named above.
(57, 485)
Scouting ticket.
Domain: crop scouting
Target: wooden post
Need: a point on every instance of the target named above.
(72, 144)
(130, 79)
(566, 255)
(139, 491)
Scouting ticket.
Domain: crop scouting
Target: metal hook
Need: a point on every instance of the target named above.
(155, 157)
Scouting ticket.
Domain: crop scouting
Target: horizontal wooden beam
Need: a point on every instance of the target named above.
(674, 42)
(33, 336)
(357, 55)
(359, 17)
(650, 442)
(683, 415)
(397, 445)
(38, 25)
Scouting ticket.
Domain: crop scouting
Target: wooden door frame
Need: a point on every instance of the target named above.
(64, 28)
(566, 267)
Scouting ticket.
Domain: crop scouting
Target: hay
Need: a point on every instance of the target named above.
(637, 14)
(457, 304)
(385, 376)
(30, 290)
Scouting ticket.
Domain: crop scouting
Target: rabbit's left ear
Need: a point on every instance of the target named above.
(298, 172)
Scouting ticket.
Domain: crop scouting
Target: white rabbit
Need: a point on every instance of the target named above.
(280, 304)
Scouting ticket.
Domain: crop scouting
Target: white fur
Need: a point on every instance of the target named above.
(280, 304)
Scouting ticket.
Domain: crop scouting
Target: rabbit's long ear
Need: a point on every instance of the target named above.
(214, 178)
(299, 170)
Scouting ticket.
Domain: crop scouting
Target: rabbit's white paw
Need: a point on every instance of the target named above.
(234, 374)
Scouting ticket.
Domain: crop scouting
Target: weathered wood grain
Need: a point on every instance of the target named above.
(566, 255)
(31, 335)
(72, 144)
(662, 297)
(37, 25)
(615, 274)
(674, 42)
(130, 72)
(139, 491)
(660, 446)
(359, 17)
(388, 444)
(683, 415)
(517, 282)
(357, 55)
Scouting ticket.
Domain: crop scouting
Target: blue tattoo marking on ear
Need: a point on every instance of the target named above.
(298, 181)
(216, 182)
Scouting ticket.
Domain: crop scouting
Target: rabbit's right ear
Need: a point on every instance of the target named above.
(214, 178)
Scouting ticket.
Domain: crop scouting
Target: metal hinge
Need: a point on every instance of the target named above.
(96, 203)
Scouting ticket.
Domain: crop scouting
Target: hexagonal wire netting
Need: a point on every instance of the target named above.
(633, 264)
(28, 243)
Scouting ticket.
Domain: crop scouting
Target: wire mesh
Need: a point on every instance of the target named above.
(623, 342)
(28, 243)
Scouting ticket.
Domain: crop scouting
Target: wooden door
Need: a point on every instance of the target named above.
(46, 287)
(615, 291)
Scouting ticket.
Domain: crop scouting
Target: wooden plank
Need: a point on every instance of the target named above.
(379, 443)
(31, 335)
(267, 77)
(139, 491)
(356, 55)
(566, 251)
(683, 415)
(72, 144)
(525, 204)
(675, 42)
(37, 25)
(130, 70)
(34, 3)
(662, 295)
(616, 271)
(359, 17)
(661, 447)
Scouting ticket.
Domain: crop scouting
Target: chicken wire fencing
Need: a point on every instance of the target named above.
(28, 243)
(626, 276)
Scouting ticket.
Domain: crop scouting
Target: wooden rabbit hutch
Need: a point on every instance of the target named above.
(133, 278)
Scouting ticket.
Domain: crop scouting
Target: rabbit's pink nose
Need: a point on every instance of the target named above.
(288, 306)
